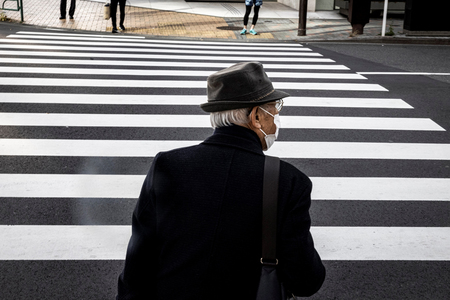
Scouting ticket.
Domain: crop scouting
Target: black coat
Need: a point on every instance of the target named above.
(196, 229)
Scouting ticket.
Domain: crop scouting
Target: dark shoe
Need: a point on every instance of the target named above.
(62, 17)
(122, 27)
(357, 29)
(71, 17)
(114, 30)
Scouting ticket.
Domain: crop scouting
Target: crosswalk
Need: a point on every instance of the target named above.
(53, 84)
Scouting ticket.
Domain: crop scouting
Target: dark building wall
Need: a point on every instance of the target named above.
(429, 15)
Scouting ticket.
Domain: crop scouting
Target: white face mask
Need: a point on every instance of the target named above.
(270, 138)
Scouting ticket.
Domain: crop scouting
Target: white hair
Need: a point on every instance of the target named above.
(230, 117)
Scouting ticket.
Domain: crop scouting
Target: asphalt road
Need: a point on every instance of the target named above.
(409, 58)
(378, 156)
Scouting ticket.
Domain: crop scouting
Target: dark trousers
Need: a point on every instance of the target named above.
(114, 10)
(248, 9)
(359, 12)
(63, 7)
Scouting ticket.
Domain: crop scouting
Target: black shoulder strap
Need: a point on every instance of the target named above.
(269, 216)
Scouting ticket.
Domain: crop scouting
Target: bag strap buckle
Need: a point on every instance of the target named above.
(269, 262)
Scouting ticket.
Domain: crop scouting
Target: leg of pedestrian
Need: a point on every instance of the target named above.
(72, 8)
(113, 15)
(255, 19)
(62, 7)
(248, 9)
(122, 14)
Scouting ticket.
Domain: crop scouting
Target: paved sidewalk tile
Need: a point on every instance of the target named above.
(158, 23)
(89, 16)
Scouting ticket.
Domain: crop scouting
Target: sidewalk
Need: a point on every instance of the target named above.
(201, 20)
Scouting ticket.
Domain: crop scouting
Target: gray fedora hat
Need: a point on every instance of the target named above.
(242, 85)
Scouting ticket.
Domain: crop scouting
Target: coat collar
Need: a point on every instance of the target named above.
(237, 137)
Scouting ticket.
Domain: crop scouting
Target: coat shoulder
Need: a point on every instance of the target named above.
(290, 172)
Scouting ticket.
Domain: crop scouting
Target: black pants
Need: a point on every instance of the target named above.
(248, 9)
(359, 12)
(114, 10)
(63, 7)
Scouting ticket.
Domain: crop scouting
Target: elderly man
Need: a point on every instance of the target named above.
(196, 228)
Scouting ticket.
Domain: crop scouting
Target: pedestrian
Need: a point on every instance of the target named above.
(358, 15)
(113, 14)
(248, 8)
(62, 7)
(196, 227)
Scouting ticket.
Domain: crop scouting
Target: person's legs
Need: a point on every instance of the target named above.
(255, 15)
(255, 19)
(122, 13)
(113, 10)
(248, 9)
(62, 8)
(72, 8)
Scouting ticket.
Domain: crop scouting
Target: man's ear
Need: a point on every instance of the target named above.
(255, 118)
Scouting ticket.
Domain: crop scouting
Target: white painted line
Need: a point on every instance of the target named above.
(88, 37)
(363, 123)
(347, 102)
(172, 73)
(70, 186)
(139, 148)
(105, 148)
(118, 37)
(117, 99)
(405, 73)
(202, 121)
(376, 188)
(30, 81)
(178, 64)
(128, 187)
(383, 243)
(51, 242)
(161, 56)
(343, 150)
(329, 86)
(109, 242)
(152, 50)
(153, 45)
(194, 100)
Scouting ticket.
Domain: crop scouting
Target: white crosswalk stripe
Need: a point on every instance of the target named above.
(283, 149)
(89, 42)
(128, 186)
(195, 100)
(107, 38)
(55, 85)
(161, 56)
(161, 73)
(180, 84)
(178, 64)
(145, 50)
(110, 242)
(202, 121)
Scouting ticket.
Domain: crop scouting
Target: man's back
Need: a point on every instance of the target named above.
(197, 226)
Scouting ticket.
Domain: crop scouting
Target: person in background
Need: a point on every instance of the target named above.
(358, 15)
(113, 14)
(196, 228)
(62, 7)
(248, 8)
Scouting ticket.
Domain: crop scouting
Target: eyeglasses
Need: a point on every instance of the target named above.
(278, 107)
